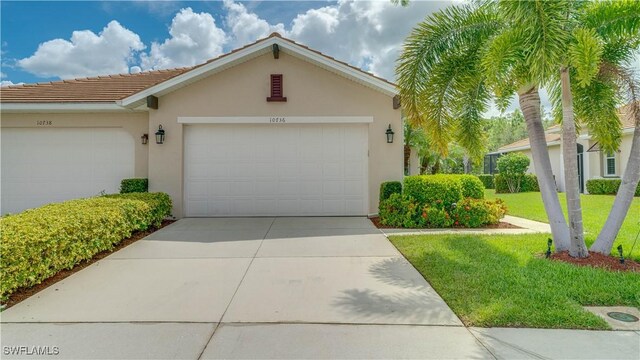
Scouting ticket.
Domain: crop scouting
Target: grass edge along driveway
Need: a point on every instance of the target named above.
(504, 281)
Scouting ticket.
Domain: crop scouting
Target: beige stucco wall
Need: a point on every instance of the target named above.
(242, 91)
(135, 123)
(555, 156)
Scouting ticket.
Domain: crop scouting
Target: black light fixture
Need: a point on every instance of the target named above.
(389, 135)
(548, 253)
(145, 139)
(160, 135)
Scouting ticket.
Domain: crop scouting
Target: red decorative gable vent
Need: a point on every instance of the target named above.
(276, 88)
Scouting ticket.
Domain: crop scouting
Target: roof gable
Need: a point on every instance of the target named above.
(129, 91)
(257, 49)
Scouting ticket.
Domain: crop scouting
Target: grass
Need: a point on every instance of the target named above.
(595, 209)
(504, 281)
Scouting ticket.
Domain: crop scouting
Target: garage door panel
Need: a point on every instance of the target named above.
(56, 164)
(279, 169)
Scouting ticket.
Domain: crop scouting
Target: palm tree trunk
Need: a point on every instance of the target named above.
(407, 156)
(529, 99)
(577, 248)
(624, 197)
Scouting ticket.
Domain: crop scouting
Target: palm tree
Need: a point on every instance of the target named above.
(445, 87)
(616, 27)
(539, 38)
(537, 42)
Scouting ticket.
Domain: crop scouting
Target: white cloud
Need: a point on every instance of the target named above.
(9, 83)
(86, 53)
(194, 39)
(367, 34)
(245, 27)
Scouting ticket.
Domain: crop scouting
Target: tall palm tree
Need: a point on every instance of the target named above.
(456, 58)
(445, 86)
(540, 36)
(616, 26)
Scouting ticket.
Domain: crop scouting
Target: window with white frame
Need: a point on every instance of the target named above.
(610, 164)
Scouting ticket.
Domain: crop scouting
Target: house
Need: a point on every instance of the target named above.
(273, 128)
(592, 161)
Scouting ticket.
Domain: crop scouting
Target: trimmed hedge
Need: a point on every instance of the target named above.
(38, 243)
(137, 185)
(606, 187)
(472, 187)
(436, 190)
(487, 181)
(529, 183)
(389, 188)
(428, 201)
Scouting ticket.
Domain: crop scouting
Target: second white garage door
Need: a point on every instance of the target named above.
(275, 169)
(45, 165)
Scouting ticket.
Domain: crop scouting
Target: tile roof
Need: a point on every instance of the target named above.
(110, 88)
(627, 121)
(525, 142)
(99, 89)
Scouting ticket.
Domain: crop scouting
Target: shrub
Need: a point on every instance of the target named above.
(512, 168)
(487, 181)
(38, 243)
(399, 210)
(438, 191)
(159, 203)
(528, 183)
(134, 186)
(475, 213)
(606, 187)
(471, 186)
(388, 188)
(432, 217)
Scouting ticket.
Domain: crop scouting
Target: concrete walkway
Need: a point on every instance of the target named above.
(268, 288)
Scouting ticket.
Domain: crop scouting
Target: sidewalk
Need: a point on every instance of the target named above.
(526, 227)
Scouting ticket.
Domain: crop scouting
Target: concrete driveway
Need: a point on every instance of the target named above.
(267, 288)
(245, 287)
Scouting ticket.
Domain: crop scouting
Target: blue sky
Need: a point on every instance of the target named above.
(49, 40)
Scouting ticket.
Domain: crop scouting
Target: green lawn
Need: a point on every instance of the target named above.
(495, 281)
(595, 209)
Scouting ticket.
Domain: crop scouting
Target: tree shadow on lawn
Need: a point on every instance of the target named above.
(487, 285)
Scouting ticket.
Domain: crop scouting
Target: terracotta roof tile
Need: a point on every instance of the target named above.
(525, 142)
(98, 89)
(627, 121)
(110, 88)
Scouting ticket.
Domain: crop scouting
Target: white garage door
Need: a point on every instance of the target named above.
(40, 166)
(275, 169)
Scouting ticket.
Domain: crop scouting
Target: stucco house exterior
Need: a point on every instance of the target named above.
(273, 128)
(593, 163)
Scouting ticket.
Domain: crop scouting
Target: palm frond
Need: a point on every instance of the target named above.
(585, 53)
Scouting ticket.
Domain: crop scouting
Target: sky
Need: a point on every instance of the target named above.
(44, 41)
(52, 40)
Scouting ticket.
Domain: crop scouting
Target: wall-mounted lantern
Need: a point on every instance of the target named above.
(160, 135)
(145, 139)
(389, 134)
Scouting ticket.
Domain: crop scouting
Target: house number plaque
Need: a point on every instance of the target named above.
(274, 120)
(44, 123)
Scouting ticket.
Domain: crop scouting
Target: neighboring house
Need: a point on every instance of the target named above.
(273, 128)
(592, 161)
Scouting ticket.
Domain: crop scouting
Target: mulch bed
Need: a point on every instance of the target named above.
(501, 225)
(24, 293)
(598, 260)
